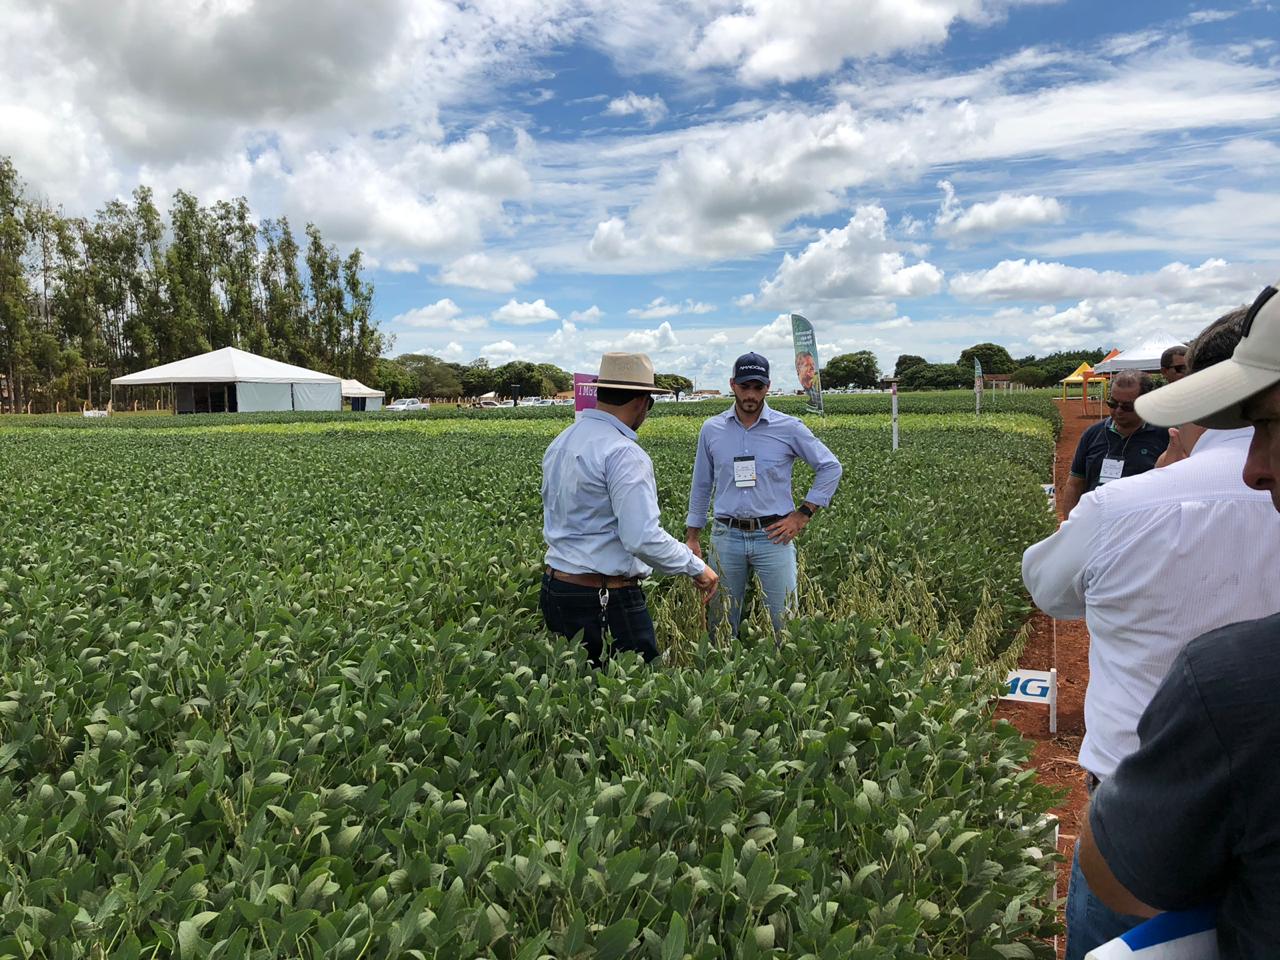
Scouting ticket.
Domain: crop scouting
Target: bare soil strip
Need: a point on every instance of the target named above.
(1056, 757)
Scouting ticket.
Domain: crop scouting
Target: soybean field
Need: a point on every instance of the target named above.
(278, 686)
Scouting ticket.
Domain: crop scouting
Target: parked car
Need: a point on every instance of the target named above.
(408, 403)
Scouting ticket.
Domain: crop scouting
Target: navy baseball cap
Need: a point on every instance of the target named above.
(751, 366)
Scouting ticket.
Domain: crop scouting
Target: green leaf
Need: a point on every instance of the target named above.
(189, 933)
(614, 941)
(673, 943)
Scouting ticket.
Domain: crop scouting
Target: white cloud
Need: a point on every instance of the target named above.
(787, 40)
(717, 340)
(897, 323)
(441, 315)
(660, 307)
(1239, 221)
(500, 350)
(658, 340)
(452, 351)
(856, 262)
(525, 314)
(592, 314)
(484, 272)
(773, 335)
(1035, 280)
(727, 189)
(1196, 17)
(653, 109)
(1006, 213)
(564, 340)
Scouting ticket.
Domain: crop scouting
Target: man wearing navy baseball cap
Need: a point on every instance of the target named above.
(1190, 818)
(743, 464)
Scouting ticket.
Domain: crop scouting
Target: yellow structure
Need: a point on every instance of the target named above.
(1083, 375)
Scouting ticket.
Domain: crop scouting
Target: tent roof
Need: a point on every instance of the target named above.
(1144, 356)
(354, 388)
(1078, 375)
(227, 365)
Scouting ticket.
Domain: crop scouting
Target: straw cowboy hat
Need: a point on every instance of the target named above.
(627, 371)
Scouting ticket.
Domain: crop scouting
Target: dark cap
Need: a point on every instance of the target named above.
(751, 366)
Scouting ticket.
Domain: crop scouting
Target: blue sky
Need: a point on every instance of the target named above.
(550, 179)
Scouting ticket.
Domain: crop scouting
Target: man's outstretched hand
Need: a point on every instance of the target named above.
(706, 583)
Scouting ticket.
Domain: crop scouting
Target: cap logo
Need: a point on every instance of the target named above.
(1258, 304)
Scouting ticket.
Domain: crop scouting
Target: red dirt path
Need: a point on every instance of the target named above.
(1055, 757)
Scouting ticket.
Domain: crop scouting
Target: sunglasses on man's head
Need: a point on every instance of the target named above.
(1125, 405)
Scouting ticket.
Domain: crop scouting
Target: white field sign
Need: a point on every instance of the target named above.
(1034, 686)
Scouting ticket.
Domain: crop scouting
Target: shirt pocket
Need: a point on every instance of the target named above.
(776, 471)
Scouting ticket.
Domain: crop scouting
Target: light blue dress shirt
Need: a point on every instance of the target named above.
(600, 504)
(775, 440)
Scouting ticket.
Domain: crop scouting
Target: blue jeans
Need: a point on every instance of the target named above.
(734, 554)
(570, 610)
(1090, 922)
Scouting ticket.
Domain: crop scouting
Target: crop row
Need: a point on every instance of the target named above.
(1034, 402)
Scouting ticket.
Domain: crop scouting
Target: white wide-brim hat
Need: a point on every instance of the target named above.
(1214, 397)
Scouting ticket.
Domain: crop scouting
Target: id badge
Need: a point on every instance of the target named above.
(1112, 469)
(744, 471)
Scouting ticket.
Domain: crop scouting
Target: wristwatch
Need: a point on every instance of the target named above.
(806, 510)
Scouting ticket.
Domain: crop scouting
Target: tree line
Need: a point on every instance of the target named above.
(860, 369)
(83, 300)
(422, 375)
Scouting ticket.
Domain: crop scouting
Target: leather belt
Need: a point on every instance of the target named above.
(594, 580)
(748, 523)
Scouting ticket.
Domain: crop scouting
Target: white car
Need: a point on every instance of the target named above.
(409, 403)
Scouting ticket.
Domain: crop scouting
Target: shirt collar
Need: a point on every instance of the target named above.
(1111, 425)
(610, 419)
(1220, 438)
(766, 412)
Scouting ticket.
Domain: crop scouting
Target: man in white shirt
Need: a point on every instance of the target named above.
(600, 519)
(1151, 562)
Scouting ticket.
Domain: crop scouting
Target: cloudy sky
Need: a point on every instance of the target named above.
(549, 179)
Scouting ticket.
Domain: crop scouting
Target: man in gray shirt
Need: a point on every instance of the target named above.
(1190, 819)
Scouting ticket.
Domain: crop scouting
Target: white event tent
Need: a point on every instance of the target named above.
(362, 398)
(1145, 356)
(231, 381)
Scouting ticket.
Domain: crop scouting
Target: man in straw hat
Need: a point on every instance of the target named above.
(600, 519)
(1189, 819)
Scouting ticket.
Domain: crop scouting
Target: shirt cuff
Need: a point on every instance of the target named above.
(695, 566)
(695, 521)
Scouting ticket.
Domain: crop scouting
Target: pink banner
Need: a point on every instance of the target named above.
(584, 392)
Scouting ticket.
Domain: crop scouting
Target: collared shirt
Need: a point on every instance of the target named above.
(1152, 562)
(600, 504)
(1139, 451)
(775, 440)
